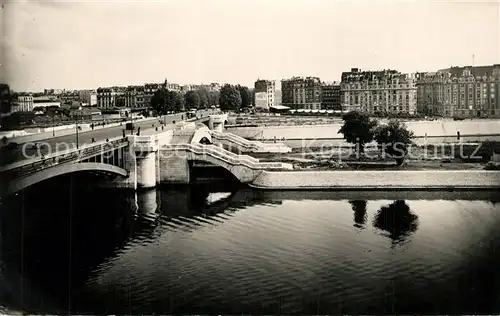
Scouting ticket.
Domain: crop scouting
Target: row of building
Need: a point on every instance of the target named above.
(454, 92)
(298, 93)
(137, 96)
(53, 97)
(140, 96)
(458, 91)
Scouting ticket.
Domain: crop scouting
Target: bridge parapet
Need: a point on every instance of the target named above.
(68, 155)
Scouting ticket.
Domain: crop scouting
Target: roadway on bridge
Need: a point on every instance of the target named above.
(28, 151)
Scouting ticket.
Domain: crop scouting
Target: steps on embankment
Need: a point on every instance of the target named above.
(222, 157)
(246, 145)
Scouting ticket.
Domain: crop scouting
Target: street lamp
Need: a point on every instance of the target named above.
(53, 129)
(76, 125)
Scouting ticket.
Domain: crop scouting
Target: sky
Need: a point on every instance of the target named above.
(49, 44)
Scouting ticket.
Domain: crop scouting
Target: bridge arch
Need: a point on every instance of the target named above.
(202, 133)
(60, 170)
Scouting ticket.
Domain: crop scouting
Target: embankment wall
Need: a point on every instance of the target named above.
(378, 180)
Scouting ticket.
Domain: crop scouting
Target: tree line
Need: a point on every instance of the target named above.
(229, 98)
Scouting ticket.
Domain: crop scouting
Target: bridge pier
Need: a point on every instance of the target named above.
(174, 168)
(146, 170)
(143, 150)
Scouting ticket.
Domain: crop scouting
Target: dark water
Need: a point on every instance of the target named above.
(195, 251)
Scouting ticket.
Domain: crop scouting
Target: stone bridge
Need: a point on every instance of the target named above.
(138, 161)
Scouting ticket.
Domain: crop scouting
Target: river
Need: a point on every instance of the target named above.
(206, 249)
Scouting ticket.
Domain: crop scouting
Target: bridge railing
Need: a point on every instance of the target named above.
(236, 139)
(227, 156)
(29, 166)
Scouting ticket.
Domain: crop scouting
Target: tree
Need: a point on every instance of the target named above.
(213, 98)
(230, 98)
(246, 96)
(394, 139)
(159, 102)
(252, 97)
(358, 129)
(192, 100)
(204, 99)
(5, 98)
(175, 102)
(164, 101)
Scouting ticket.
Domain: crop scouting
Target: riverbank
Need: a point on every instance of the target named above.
(379, 180)
(442, 157)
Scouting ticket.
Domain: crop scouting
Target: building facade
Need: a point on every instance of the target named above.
(265, 94)
(24, 103)
(301, 93)
(460, 92)
(110, 97)
(45, 101)
(88, 97)
(173, 86)
(134, 97)
(386, 91)
(330, 96)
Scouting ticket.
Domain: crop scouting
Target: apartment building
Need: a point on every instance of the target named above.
(88, 97)
(265, 93)
(110, 97)
(24, 102)
(330, 96)
(173, 86)
(460, 91)
(301, 93)
(385, 91)
(46, 101)
(134, 97)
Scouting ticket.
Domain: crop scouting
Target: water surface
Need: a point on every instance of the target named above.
(195, 250)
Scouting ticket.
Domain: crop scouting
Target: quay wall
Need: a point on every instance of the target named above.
(433, 131)
(378, 180)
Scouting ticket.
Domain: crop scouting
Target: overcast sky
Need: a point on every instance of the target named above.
(87, 44)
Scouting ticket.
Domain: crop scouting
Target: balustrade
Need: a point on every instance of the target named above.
(227, 156)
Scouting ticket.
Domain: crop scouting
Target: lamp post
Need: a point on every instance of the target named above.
(131, 123)
(76, 126)
(53, 129)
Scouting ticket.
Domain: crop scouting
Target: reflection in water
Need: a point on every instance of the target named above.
(205, 250)
(397, 220)
(359, 208)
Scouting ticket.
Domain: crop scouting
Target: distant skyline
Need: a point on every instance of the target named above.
(86, 44)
